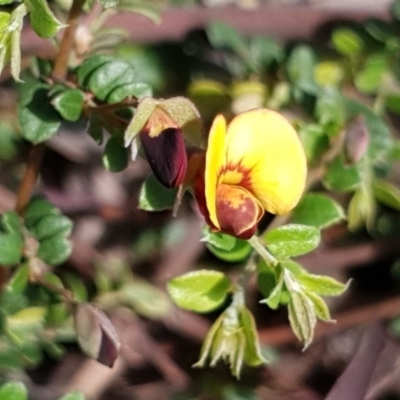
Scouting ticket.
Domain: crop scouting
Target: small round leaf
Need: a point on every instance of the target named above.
(69, 104)
(292, 240)
(156, 197)
(54, 250)
(109, 76)
(115, 157)
(200, 291)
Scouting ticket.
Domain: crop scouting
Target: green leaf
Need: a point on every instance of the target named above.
(321, 285)
(42, 19)
(224, 36)
(300, 67)
(104, 79)
(209, 96)
(94, 127)
(52, 225)
(379, 29)
(263, 52)
(16, 25)
(11, 245)
(115, 157)
(392, 103)
(30, 319)
(13, 391)
(329, 73)
(294, 267)
(347, 42)
(154, 196)
(271, 286)
(89, 66)
(200, 291)
(37, 118)
(219, 240)
(227, 247)
(302, 317)
(361, 210)
(340, 177)
(75, 284)
(317, 210)
(11, 222)
(380, 141)
(370, 77)
(73, 396)
(252, 353)
(320, 307)
(57, 314)
(69, 104)
(240, 252)
(137, 89)
(37, 209)
(387, 194)
(292, 240)
(329, 108)
(395, 9)
(315, 140)
(145, 299)
(19, 280)
(55, 250)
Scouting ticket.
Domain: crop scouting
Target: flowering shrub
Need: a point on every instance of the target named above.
(263, 183)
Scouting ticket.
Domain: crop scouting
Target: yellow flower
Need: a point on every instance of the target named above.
(255, 164)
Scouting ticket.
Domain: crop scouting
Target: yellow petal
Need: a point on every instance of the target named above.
(215, 161)
(263, 143)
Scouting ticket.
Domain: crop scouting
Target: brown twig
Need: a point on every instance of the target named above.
(61, 62)
(29, 180)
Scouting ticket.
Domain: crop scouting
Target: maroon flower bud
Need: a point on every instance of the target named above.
(166, 155)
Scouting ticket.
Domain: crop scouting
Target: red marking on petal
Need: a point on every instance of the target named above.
(237, 211)
(199, 194)
(166, 155)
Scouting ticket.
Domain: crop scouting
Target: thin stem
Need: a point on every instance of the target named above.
(112, 107)
(263, 252)
(66, 295)
(30, 177)
(61, 62)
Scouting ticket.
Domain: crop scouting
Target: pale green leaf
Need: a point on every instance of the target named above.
(200, 291)
(13, 391)
(347, 42)
(321, 285)
(139, 120)
(252, 352)
(302, 317)
(387, 193)
(320, 307)
(42, 19)
(292, 240)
